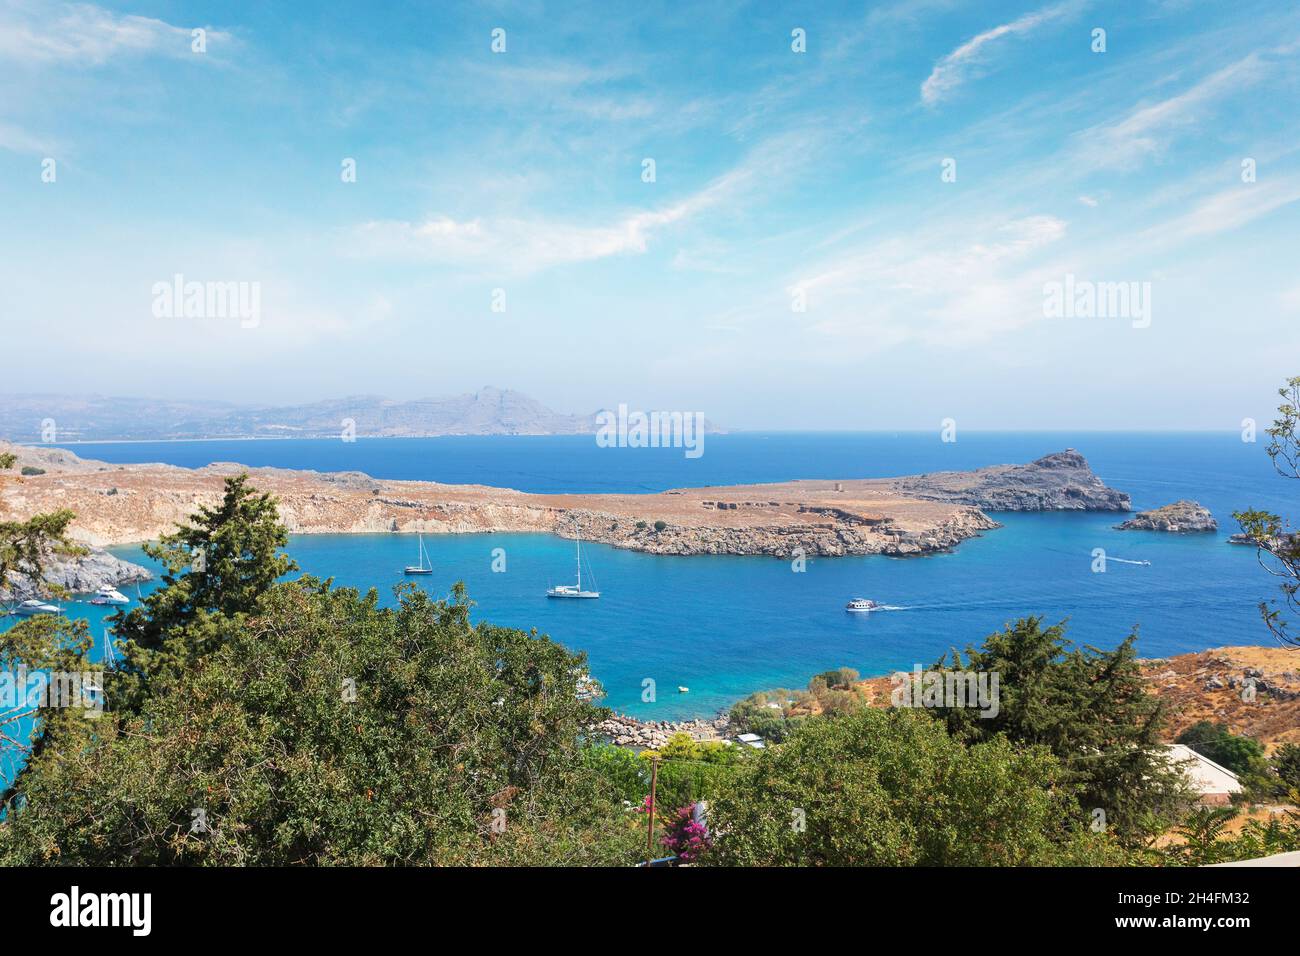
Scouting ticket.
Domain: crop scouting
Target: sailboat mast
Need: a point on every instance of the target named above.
(578, 542)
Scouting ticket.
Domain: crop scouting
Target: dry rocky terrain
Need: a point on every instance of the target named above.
(118, 504)
(1209, 686)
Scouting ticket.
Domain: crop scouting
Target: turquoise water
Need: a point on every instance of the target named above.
(726, 626)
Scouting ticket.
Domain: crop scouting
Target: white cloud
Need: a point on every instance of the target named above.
(1230, 209)
(946, 286)
(1143, 132)
(1089, 201)
(514, 244)
(20, 141)
(950, 72)
(86, 34)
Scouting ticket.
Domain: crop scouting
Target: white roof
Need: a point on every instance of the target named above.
(1206, 775)
(748, 738)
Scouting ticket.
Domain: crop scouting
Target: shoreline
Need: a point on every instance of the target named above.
(902, 516)
(1196, 685)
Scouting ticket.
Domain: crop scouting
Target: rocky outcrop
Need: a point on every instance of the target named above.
(1058, 482)
(1181, 517)
(81, 574)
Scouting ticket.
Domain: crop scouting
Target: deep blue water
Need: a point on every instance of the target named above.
(726, 626)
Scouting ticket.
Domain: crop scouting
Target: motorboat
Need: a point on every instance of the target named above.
(862, 604)
(111, 596)
(32, 607)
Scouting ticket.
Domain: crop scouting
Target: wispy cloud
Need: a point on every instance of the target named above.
(1225, 211)
(1144, 131)
(952, 285)
(516, 244)
(85, 34)
(513, 245)
(20, 141)
(952, 70)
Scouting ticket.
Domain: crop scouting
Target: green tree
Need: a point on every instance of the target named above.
(1277, 543)
(1286, 763)
(323, 729)
(893, 788)
(1090, 708)
(46, 643)
(216, 568)
(27, 546)
(1242, 755)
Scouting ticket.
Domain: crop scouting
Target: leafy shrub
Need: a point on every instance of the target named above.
(32, 470)
(893, 788)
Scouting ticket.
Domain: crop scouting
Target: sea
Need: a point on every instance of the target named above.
(678, 637)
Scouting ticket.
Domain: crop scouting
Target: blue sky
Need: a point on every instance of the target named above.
(779, 175)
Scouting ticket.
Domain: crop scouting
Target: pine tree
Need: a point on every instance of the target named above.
(217, 567)
(1091, 709)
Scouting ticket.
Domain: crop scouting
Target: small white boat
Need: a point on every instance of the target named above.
(31, 608)
(424, 567)
(110, 596)
(683, 690)
(573, 590)
(862, 604)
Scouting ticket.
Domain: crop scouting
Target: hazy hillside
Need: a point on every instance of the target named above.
(490, 411)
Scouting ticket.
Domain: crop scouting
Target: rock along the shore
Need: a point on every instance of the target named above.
(1181, 517)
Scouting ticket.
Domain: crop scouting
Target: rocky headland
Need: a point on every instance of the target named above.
(1181, 517)
(1059, 482)
(79, 574)
(117, 504)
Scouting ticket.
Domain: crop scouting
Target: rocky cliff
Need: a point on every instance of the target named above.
(81, 574)
(1062, 481)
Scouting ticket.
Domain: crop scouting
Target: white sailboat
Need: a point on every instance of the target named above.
(571, 590)
(425, 566)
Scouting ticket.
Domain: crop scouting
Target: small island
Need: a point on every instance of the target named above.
(1181, 517)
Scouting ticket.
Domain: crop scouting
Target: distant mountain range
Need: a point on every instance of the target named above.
(489, 411)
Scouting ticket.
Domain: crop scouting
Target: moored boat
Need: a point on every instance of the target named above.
(110, 595)
(424, 567)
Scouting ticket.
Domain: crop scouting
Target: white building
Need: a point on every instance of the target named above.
(1214, 785)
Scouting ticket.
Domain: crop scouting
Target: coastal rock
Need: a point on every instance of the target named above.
(1181, 517)
(625, 731)
(1062, 481)
(81, 574)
